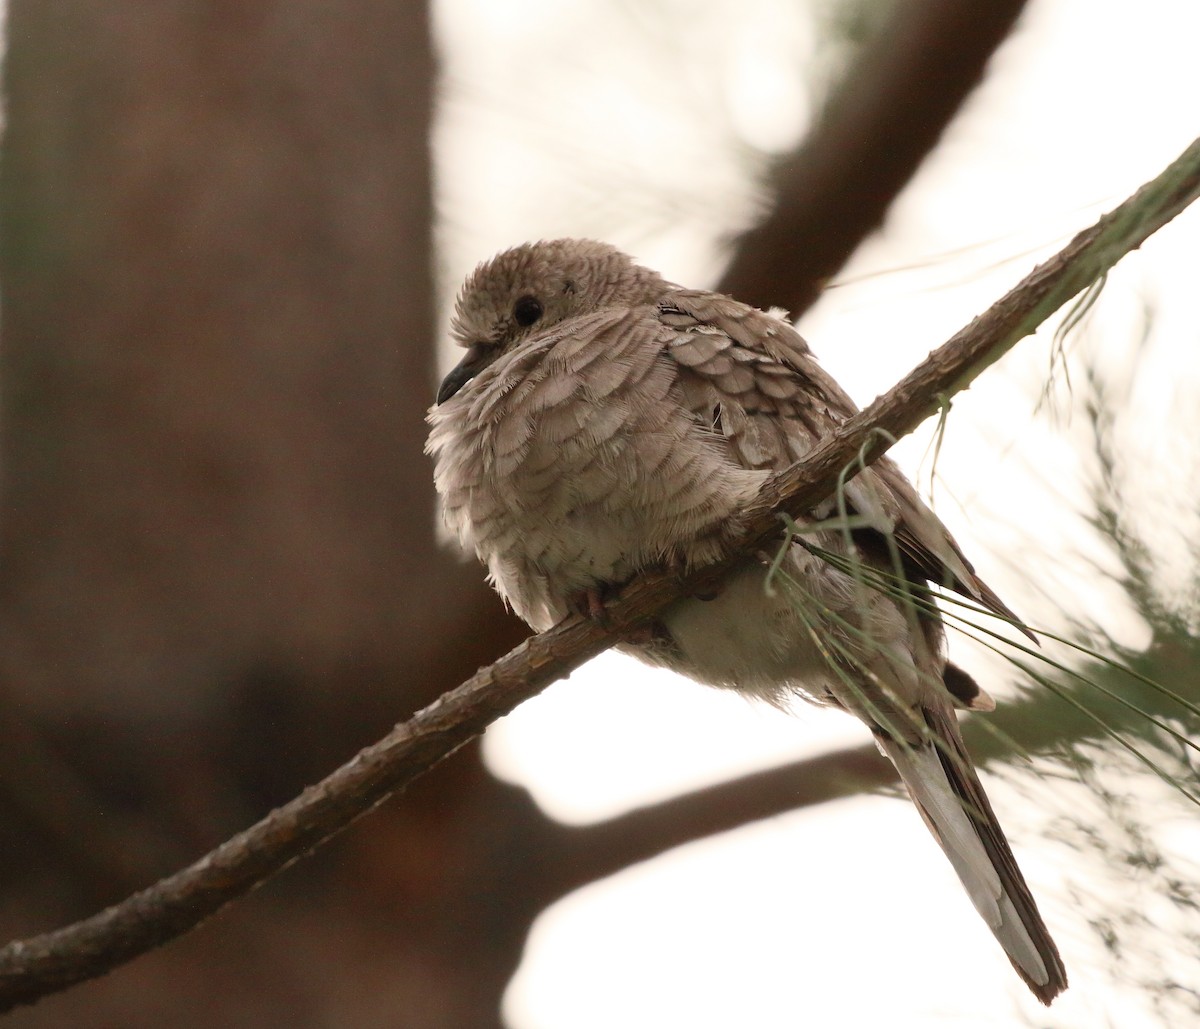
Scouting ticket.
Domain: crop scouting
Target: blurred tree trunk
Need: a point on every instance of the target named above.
(218, 311)
(218, 575)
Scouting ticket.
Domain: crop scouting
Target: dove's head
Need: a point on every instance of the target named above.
(526, 290)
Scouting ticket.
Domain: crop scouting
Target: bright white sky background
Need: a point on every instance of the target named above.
(646, 124)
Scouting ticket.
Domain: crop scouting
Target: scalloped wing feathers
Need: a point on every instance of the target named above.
(784, 401)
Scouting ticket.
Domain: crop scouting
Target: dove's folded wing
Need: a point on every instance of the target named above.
(752, 377)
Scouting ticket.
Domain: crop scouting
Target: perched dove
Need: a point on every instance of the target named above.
(605, 421)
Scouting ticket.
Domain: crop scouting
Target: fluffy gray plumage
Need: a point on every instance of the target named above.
(605, 421)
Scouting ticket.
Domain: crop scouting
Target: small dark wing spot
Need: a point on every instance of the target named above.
(961, 686)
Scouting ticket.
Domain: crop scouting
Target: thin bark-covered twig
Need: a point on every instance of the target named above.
(43, 964)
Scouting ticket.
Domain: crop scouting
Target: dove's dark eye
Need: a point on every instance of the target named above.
(527, 310)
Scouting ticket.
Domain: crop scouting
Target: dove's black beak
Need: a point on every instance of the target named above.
(477, 359)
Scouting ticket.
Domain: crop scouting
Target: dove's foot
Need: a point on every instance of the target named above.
(589, 603)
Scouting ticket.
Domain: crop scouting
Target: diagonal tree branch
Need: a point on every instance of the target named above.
(890, 110)
(43, 964)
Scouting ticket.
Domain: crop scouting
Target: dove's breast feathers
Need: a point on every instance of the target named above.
(573, 461)
(620, 441)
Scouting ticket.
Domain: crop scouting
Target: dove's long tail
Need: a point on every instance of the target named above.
(950, 797)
